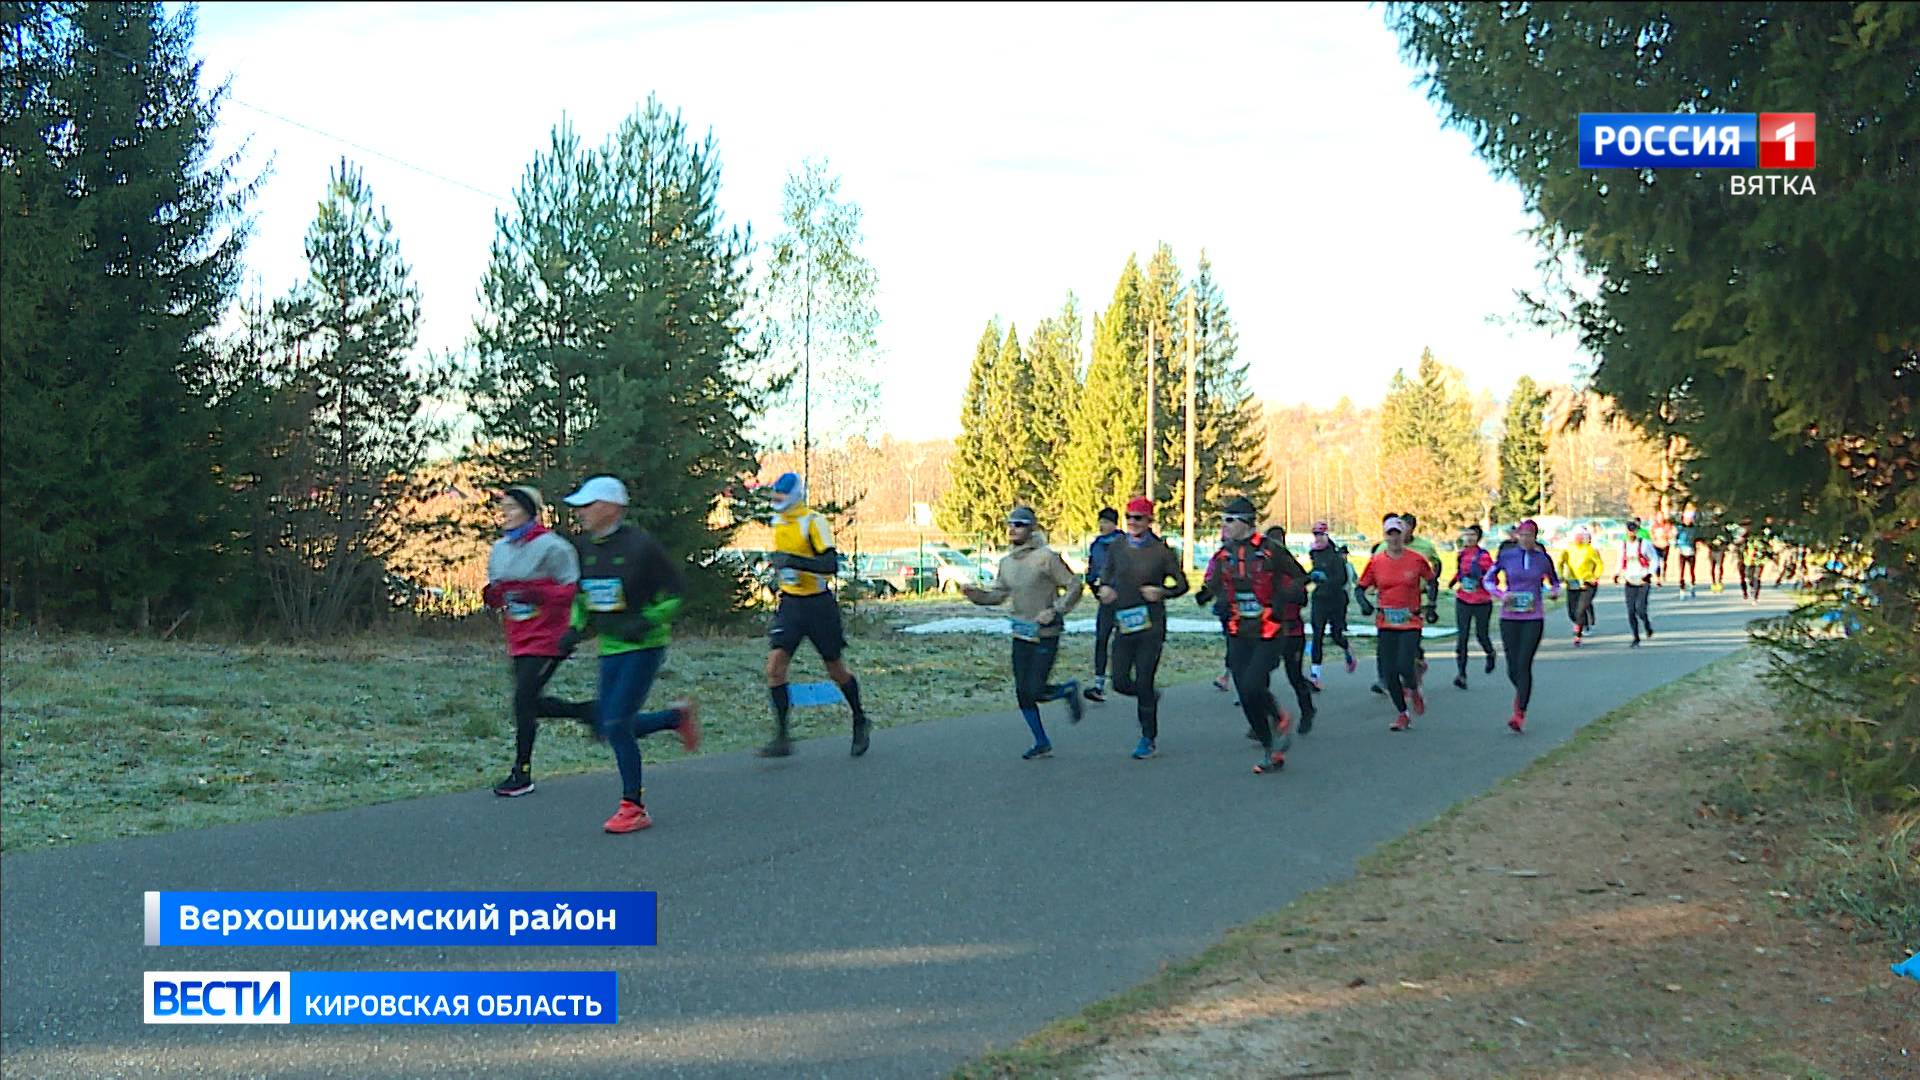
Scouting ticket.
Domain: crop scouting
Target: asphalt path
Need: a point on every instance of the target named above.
(893, 915)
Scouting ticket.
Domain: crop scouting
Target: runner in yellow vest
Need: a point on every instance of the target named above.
(804, 562)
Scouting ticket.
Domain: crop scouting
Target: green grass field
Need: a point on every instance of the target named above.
(109, 737)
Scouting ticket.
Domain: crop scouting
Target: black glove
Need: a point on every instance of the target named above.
(1365, 608)
(569, 641)
(1430, 613)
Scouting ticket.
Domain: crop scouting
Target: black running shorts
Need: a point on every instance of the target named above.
(813, 618)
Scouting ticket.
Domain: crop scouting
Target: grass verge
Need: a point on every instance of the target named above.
(1645, 900)
(107, 737)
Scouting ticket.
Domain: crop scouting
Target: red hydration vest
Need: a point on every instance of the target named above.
(1256, 593)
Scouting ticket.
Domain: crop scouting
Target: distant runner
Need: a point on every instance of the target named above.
(1637, 566)
(1103, 618)
(1581, 568)
(1662, 535)
(1686, 537)
(1472, 604)
(1331, 575)
(1290, 593)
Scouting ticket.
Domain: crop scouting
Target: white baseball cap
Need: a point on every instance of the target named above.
(599, 489)
(1393, 524)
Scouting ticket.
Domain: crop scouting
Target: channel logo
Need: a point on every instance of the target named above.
(218, 997)
(1697, 141)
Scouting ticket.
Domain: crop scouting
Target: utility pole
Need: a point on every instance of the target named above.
(1150, 367)
(1186, 526)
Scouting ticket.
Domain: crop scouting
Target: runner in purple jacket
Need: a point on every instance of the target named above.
(1519, 578)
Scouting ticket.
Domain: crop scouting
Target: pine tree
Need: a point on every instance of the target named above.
(613, 338)
(348, 332)
(121, 253)
(1229, 430)
(1523, 451)
(536, 347)
(1104, 461)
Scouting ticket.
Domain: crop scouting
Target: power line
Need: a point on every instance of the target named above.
(421, 169)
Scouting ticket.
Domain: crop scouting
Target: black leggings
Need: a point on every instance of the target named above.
(1399, 652)
(1292, 651)
(1252, 660)
(1136, 659)
(1637, 609)
(1580, 608)
(1522, 639)
(1032, 667)
(1474, 618)
(1329, 614)
(1717, 564)
(530, 675)
(1103, 626)
(1689, 568)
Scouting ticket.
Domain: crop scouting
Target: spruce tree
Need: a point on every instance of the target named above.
(1104, 461)
(121, 253)
(1053, 352)
(1164, 311)
(1229, 429)
(1430, 458)
(979, 466)
(1523, 452)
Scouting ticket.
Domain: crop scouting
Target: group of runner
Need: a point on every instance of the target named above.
(614, 583)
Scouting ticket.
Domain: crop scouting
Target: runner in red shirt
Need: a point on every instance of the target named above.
(1400, 577)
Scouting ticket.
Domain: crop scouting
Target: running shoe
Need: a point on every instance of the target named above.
(1649, 631)
(862, 732)
(1315, 683)
(1460, 681)
(1378, 689)
(1578, 641)
(1145, 749)
(1306, 721)
(631, 817)
(1038, 750)
(1075, 710)
(1223, 682)
(1400, 723)
(779, 747)
(1419, 703)
(1094, 694)
(689, 726)
(1490, 660)
(1517, 722)
(517, 783)
(1270, 762)
(1635, 645)
(1351, 663)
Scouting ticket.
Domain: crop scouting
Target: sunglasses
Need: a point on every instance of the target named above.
(1136, 517)
(1240, 518)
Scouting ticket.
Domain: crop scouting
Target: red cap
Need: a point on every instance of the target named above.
(1140, 506)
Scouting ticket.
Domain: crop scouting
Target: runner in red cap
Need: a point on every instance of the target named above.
(1143, 573)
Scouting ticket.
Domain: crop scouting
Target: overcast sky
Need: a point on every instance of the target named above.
(1003, 155)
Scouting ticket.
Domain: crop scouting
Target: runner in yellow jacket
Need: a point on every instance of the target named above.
(1581, 568)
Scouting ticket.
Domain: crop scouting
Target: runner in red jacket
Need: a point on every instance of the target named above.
(532, 575)
(1242, 581)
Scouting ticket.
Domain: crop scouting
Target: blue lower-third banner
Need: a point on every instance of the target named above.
(381, 997)
(400, 918)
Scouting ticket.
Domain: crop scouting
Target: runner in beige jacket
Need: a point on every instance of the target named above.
(1042, 589)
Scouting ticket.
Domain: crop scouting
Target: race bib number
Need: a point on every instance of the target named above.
(1134, 619)
(789, 576)
(1574, 584)
(1470, 584)
(1249, 607)
(1024, 630)
(1396, 616)
(521, 611)
(1520, 603)
(604, 594)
